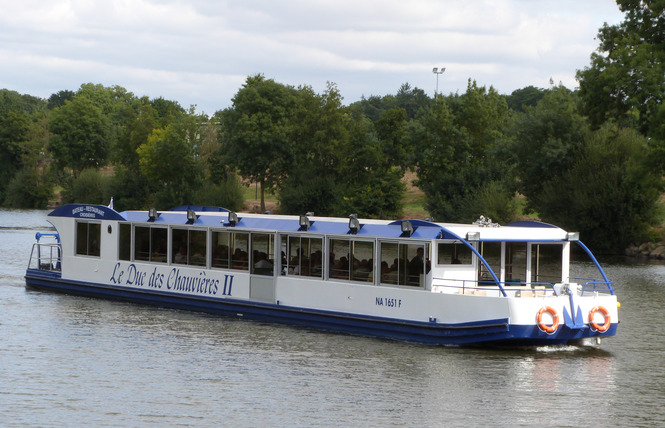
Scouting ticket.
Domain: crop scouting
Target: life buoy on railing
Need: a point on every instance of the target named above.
(549, 329)
(593, 324)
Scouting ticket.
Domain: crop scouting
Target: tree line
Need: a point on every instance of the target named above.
(589, 160)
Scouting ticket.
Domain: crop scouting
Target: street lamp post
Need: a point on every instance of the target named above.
(436, 71)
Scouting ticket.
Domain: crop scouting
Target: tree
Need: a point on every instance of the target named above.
(14, 126)
(257, 129)
(545, 141)
(140, 120)
(80, 135)
(412, 100)
(609, 193)
(58, 99)
(169, 162)
(392, 128)
(28, 189)
(371, 183)
(313, 180)
(529, 96)
(626, 79)
(459, 144)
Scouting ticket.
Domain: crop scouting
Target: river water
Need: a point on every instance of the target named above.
(73, 361)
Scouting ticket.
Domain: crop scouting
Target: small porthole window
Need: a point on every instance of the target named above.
(110, 229)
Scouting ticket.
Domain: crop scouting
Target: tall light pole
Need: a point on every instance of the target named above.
(436, 71)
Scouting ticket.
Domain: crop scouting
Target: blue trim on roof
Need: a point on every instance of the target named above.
(530, 223)
(87, 211)
(200, 208)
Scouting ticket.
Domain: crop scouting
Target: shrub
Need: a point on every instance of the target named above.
(27, 189)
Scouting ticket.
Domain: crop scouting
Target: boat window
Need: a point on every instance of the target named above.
(515, 261)
(263, 253)
(150, 244)
(351, 260)
(454, 253)
(491, 252)
(88, 236)
(125, 242)
(404, 264)
(305, 256)
(230, 250)
(546, 263)
(189, 246)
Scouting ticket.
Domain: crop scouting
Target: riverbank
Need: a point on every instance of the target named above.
(649, 250)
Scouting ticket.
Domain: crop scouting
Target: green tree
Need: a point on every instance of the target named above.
(609, 193)
(80, 135)
(626, 79)
(529, 96)
(257, 129)
(139, 122)
(91, 187)
(459, 144)
(313, 181)
(169, 162)
(28, 189)
(129, 189)
(545, 141)
(58, 99)
(392, 130)
(372, 185)
(14, 126)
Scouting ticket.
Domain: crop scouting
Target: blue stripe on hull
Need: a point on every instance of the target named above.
(496, 332)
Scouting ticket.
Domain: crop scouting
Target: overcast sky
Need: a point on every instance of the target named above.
(199, 52)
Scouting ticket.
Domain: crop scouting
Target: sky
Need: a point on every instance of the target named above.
(200, 52)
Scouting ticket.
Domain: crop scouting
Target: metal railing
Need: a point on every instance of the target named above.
(467, 286)
(594, 285)
(46, 255)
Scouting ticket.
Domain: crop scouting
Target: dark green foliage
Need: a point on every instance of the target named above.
(28, 189)
(257, 130)
(80, 135)
(520, 99)
(59, 98)
(169, 164)
(608, 193)
(625, 82)
(13, 101)
(91, 187)
(458, 144)
(411, 100)
(545, 140)
(226, 193)
(129, 189)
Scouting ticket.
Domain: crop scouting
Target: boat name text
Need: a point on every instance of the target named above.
(174, 280)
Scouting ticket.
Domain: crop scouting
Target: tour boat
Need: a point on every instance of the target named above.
(411, 280)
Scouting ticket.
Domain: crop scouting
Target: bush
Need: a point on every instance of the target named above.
(129, 189)
(227, 194)
(91, 187)
(28, 190)
(609, 194)
(493, 200)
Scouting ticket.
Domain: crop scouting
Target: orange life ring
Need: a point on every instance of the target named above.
(594, 325)
(549, 329)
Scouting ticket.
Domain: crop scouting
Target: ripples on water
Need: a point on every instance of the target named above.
(78, 361)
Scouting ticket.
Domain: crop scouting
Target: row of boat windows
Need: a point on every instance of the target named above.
(347, 258)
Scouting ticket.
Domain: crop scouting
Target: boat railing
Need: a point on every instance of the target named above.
(594, 285)
(519, 289)
(46, 255)
(485, 287)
